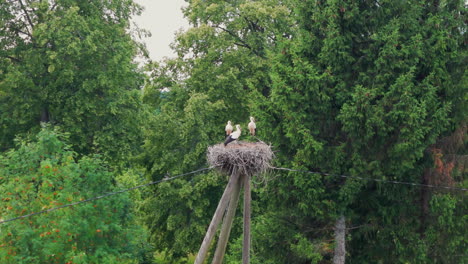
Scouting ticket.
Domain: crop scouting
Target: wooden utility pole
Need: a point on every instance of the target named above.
(216, 218)
(247, 202)
(227, 223)
(241, 162)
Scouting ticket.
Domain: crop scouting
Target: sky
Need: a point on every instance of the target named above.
(162, 18)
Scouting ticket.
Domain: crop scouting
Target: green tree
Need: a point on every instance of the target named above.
(220, 72)
(177, 140)
(46, 173)
(364, 89)
(70, 63)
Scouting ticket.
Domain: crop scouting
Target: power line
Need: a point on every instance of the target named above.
(106, 195)
(209, 168)
(377, 180)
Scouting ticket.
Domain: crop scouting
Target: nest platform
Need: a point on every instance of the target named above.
(248, 158)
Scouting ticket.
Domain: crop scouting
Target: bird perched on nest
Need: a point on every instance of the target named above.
(228, 128)
(252, 126)
(234, 135)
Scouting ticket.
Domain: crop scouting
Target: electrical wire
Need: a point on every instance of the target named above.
(209, 168)
(107, 195)
(377, 180)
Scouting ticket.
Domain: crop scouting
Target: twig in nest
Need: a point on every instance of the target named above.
(246, 157)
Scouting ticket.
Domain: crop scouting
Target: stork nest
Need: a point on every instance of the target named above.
(247, 158)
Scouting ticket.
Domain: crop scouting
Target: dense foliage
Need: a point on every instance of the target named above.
(70, 63)
(365, 89)
(44, 174)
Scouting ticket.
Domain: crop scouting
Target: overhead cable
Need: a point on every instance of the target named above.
(374, 179)
(106, 195)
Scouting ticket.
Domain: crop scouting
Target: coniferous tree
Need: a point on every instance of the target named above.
(365, 89)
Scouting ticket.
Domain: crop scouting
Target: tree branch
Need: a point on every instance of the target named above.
(17, 30)
(242, 45)
(26, 13)
(12, 58)
(53, 6)
(29, 2)
(242, 42)
(253, 25)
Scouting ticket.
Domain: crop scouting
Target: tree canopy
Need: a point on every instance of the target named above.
(70, 63)
(46, 173)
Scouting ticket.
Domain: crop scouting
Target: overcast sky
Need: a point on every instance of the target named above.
(162, 18)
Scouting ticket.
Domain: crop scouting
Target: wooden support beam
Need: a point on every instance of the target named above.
(217, 217)
(227, 223)
(247, 203)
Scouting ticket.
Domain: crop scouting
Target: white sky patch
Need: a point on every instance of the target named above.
(163, 18)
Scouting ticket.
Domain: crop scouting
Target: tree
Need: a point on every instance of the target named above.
(218, 76)
(70, 63)
(365, 89)
(176, 142)
(46, 173)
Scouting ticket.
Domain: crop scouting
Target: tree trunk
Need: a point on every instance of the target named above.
(45, 116)
(425, 196)
(340, 233)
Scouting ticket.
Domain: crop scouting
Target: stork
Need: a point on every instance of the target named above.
(228, 128)
(234, 135)
(252, 126)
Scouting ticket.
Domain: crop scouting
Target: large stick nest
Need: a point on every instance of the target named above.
(247, 158)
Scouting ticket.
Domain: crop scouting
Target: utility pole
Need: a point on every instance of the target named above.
(246, 242)
(227, 224)
(216, 218)
(240, 162)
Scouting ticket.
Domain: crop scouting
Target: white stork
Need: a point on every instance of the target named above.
(252, 126)
(234, 136)
(228, 128)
